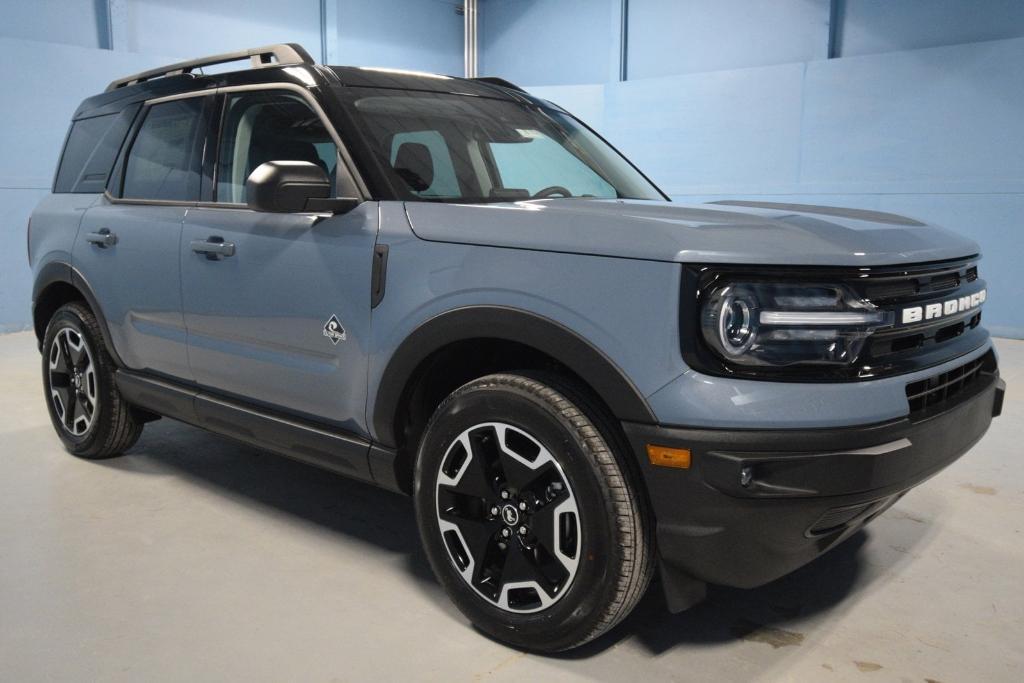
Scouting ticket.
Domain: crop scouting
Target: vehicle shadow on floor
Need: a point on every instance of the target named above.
(259, 479)
(778, 614)
(770, 614)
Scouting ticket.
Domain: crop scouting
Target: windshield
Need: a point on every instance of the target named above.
(458, 148)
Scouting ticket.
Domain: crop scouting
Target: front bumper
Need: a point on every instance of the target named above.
(757, 504)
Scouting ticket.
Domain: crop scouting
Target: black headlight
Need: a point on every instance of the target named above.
(780, 324)
(828, 323)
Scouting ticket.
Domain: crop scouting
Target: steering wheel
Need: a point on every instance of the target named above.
(551, 191)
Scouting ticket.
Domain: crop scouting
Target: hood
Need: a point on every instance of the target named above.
(742, 232)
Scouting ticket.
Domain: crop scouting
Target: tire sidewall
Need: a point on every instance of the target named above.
(69, 317)
(594, 584)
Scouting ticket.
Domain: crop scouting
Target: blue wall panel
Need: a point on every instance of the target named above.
(873, 26)
(422, 35)
(191, 28)
(937, 116)
(548, 42)
(670, 37)
(736, 126)
(73, 22)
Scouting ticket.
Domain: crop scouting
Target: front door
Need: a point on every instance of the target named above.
(277, 306)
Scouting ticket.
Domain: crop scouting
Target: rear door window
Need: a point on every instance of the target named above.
(165, 159)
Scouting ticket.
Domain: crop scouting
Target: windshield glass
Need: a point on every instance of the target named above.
(458, 148)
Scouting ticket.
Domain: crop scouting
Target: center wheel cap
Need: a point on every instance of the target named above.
(510, 515)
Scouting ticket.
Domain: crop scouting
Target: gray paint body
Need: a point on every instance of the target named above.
(707, 233)
(252, 325)
(255, 320)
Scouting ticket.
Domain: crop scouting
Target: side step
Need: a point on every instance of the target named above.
(315, 444)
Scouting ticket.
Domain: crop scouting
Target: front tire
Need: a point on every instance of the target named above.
(531, 522)
(88, 412)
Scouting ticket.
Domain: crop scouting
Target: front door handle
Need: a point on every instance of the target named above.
(102, 239)
(215, 248)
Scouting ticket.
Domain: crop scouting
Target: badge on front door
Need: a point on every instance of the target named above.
(334, 331)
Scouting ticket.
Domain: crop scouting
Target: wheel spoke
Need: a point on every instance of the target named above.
(523, 478)
(519, 567)
(547, 526)
(477, 477)
(81, 411)
(68, 399)
(480, 537)
(59, 364)
(76, 353)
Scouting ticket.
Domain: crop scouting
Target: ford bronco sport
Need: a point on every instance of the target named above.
(455, 290)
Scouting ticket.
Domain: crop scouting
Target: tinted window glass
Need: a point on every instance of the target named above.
(165, 159)
(540, 163)
(422, 158)
(443, 147)
(82, 144)
(269, 126)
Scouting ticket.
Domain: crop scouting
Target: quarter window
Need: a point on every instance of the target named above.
(165, 160)
(269, 126)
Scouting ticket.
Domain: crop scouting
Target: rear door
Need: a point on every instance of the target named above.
(128, 245)
(279, 312)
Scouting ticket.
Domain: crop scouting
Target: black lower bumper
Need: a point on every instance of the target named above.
(757, 504)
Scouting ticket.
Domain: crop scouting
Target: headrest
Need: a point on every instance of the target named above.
(415, 165)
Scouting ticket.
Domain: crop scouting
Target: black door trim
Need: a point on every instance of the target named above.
(316, 444)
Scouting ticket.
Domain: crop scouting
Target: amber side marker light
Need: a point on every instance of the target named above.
(663, 456)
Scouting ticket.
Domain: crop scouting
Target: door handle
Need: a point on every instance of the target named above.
(102, 239)
(215, 248)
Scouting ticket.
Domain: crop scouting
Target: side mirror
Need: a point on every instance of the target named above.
(293, 187)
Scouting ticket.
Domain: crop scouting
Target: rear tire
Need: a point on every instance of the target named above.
(576, 546)
(88, 412)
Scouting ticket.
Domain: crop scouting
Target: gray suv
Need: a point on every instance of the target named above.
(454, 290)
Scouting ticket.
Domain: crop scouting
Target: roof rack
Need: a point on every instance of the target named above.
(494, 80)
(271, 55)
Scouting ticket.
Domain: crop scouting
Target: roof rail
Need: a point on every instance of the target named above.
(494, 80)
(271, 55)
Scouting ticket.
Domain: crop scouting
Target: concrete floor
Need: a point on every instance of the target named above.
(195, 558)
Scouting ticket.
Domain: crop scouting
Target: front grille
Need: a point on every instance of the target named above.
(894, 288)
(938, 390)
(888, 286)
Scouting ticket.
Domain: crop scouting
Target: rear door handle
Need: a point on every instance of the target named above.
(102, 239)
(215, 248)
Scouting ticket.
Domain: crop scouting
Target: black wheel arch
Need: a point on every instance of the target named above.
(508, 324)
(57, 283)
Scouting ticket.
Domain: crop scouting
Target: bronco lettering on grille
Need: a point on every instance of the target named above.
(914, 314)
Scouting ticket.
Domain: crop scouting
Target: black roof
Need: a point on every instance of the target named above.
(305, 75)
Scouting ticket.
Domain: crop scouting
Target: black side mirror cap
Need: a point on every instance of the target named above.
(293, 187)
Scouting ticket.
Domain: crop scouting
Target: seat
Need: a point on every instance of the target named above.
(415, 165)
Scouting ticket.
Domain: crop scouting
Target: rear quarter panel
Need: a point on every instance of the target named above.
(55, 223)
